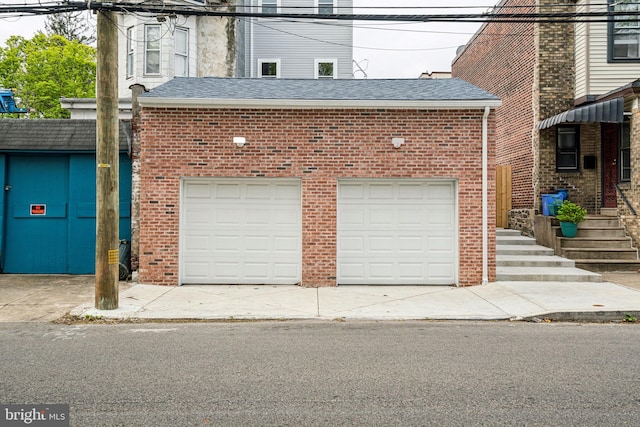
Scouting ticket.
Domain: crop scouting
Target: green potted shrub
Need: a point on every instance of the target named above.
(570, 215)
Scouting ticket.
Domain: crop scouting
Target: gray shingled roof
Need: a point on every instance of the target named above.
(320, 89)
(54, 135)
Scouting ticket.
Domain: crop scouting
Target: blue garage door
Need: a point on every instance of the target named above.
(50, 212)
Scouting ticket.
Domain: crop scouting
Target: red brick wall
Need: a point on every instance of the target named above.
(501, 59)
(531, 68)
(317, 146)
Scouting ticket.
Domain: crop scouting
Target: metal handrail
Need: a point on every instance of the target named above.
(626, 201)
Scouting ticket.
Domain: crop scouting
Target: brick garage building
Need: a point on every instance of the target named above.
(317, 182)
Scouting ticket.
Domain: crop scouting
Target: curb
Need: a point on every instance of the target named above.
(587, 316)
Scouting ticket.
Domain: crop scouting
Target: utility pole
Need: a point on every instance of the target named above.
(107, 164)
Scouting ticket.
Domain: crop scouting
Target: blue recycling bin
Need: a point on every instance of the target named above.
(564, 194)
(550, 204)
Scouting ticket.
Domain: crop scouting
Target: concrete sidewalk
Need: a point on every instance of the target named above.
(42, 298)
(496, 301)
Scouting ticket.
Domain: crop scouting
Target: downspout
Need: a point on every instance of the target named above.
(485, 200)
(251, 61)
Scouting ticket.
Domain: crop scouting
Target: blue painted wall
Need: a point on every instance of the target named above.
(62, 240)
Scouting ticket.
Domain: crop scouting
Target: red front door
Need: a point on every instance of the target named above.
(609, 164)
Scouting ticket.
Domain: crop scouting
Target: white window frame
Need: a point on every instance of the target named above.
(130, 66)
(618, 30)
(269, 60)
(147, 50)
(316, 5)
(182, 56)
(260, 5)
(316, 64)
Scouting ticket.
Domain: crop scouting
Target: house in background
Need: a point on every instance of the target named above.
(317, 182)
(295, 49)
(153, 49)
(570, 117)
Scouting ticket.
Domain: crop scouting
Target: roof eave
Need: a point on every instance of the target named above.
(160, 102)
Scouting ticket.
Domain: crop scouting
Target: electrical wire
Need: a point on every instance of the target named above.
(205, 10)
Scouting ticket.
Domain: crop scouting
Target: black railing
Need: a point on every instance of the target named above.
(626, 201)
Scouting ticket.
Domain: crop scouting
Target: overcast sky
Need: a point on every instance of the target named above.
(383, 50)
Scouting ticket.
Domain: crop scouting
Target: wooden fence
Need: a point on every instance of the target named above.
(503, 195)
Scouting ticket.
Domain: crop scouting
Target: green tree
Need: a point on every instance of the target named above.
(74, 26)
(46, 68)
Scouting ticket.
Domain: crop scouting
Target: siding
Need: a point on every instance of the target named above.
(581, 52)
(298, 44)
(596, 76)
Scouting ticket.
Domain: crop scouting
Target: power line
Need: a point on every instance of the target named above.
(195, 10)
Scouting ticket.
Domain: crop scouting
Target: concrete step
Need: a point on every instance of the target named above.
(514, 240)
(507, 232)
(519, 258)
(545, 274)
(601, 253)
(595, 242)
(523, 250)
(591, 231)
(601, 221)
(602, 265)
(533, 261)
(609, 212)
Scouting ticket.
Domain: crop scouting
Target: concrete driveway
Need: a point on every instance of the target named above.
(44, 298)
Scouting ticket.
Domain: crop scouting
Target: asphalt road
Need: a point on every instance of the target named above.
(326, 374)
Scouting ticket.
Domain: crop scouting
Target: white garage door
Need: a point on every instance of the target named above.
(397, 232)
(241, 231)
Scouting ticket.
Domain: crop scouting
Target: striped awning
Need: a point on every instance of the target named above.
(610, 111)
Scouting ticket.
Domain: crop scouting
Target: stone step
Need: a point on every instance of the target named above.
(533, 261)
(514, 240)
(545, 274)
(601, 221)
(602, 265)
(595, 242)
(601, 253)
(523, 250)
(507, 232)
(590, 231)
(609, 212)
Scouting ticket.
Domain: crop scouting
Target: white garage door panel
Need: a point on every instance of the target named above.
(241, 231)
(397, 232)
